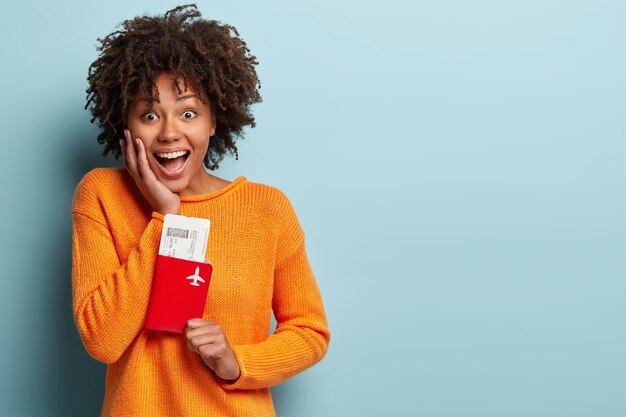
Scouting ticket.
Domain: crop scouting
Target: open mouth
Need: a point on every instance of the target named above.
(172, 163)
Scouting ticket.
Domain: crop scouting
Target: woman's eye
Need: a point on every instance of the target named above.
(149, 117)
(189, 114)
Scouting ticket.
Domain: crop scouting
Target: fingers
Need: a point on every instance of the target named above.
(142, 159)
(213, 350)
(194, 323)
(129, 150)
(208, 328)
(136, 159)
(130, 154)
(212, 330)
(208, 345)
(208, 339)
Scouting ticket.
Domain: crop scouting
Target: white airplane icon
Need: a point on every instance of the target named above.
(195, 277)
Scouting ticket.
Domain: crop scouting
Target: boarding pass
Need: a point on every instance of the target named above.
(185, 237)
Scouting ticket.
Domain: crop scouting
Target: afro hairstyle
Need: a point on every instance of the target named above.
(207, 55)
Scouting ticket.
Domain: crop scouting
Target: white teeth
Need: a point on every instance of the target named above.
(172, 155)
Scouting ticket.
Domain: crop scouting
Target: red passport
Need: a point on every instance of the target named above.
(179, 293)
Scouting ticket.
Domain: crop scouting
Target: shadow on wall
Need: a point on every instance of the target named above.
(79, 386)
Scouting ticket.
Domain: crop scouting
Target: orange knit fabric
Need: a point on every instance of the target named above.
(256, 247)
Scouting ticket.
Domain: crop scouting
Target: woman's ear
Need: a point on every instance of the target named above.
(213, 124)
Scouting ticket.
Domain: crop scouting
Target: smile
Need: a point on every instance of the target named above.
(172, 164)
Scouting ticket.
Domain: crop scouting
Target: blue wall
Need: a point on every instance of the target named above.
(458, 168)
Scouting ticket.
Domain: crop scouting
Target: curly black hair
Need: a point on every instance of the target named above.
(209, 56)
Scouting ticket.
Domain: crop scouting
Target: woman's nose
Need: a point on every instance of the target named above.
(170, 131)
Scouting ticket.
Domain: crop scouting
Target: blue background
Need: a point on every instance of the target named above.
(458, 168)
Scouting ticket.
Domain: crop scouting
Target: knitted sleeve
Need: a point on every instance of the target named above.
(110, 298)
(302, 336)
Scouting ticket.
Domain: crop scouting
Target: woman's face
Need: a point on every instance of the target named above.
(175, 130)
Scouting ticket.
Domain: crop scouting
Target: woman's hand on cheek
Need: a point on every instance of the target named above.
(158, 195)
(207, 339)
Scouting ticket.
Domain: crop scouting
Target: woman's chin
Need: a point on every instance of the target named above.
(176, 186)
(186, 185)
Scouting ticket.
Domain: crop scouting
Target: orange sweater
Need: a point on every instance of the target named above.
(256, 247)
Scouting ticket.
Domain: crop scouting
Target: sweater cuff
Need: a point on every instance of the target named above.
(158, 216)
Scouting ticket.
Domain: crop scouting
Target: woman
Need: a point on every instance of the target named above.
(179, 88)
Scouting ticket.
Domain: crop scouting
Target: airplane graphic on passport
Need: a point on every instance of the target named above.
(195, 277)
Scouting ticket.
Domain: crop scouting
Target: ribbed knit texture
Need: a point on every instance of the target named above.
(256, 247)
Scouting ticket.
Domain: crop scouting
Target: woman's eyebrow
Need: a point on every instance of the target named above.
(181, 98)
(156, 99)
